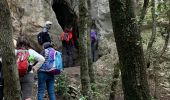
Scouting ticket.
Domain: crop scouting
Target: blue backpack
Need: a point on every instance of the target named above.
(53, 62)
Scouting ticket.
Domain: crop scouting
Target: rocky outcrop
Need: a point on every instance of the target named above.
(29, 16)
(101, 12)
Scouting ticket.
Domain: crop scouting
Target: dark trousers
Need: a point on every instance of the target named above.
(93, 51)
(67, 53)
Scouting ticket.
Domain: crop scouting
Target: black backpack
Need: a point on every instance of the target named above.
(43, 37)
(39, 38)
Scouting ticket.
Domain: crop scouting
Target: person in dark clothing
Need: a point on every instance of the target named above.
(1, 81)
(44, 37)
(93, 35)
(68, 44)
(93, 38)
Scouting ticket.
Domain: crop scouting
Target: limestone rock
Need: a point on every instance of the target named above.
(29, 16)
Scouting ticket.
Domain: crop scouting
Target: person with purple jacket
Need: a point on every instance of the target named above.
(46, 80)
(93, 37)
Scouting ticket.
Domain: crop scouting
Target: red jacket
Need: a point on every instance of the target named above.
(69, 37)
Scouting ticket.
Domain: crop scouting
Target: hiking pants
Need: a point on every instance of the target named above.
(67, 55)
(27, 85)
(46, 80)
(93, 51)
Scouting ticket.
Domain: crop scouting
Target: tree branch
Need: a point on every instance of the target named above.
(143, 12)
(152, 39)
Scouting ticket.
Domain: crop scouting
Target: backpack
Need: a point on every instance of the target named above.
(22, 61)
(65, 36)
(53, 62)
(39, 38)
(93, 36)
(43, 37)
(58, 60)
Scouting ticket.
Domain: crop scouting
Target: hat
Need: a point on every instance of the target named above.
(48, 23)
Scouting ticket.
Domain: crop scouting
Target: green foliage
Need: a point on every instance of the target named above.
(153, 98)
(162, 9)
(62, 84)
(95, 93)
(83, 98)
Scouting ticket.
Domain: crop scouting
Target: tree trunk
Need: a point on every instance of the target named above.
(83, 31)
(130, 51)
(91, 69)
(114, 81)
(143, 12)
(10, 71)
(152, 39)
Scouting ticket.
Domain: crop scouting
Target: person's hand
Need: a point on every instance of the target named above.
(34, 70)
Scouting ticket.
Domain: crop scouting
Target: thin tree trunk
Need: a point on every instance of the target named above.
(10, 71)
(156, 80)
(152, 39)
(91, 69)
(143, 12)
(84, 70)
(115, 81)
(130, 50)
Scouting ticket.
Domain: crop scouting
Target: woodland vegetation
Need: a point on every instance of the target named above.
(141, 31)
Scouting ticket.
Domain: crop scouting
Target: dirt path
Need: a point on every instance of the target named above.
(73, 74)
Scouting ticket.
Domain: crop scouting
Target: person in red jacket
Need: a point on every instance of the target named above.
(67, 42)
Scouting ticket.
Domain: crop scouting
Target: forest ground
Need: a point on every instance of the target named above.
(104, 78)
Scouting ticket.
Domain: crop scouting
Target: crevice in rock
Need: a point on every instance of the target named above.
(66, 16)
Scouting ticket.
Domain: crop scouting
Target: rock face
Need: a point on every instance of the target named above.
(101, 12)
(29, 16)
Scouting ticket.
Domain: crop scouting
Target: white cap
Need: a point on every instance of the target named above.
(48, 23)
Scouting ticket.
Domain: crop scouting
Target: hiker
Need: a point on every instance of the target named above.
(93, 37)
(68, 44)
(44, 37)
(25, 52)
(46, 77)
(1, 81)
